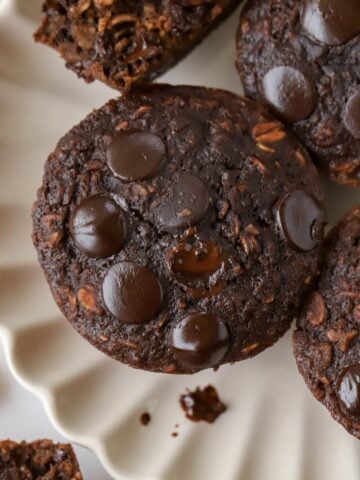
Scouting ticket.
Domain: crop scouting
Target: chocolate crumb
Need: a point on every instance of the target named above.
(202, 404)
(145, 419)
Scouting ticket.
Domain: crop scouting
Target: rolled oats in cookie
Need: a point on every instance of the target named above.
(38, 460)
(127, 42)
(301, 58)
(326, 341)
(179, 228)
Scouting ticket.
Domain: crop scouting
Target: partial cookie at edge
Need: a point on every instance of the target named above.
(326, 341)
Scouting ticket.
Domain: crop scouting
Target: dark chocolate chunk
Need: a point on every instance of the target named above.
(302, 220)
(184, 204)
(200, 340)
(136, 155)
(132, 293)
(332, 22)
(289, 92)
(97, 226)
(352, 115)
(202, 404)
(348, 390)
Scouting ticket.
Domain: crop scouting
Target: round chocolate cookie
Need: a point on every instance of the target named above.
(179, 228)
(301, 58)
(327, 340)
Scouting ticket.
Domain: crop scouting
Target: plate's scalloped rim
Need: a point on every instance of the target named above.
(46, 397)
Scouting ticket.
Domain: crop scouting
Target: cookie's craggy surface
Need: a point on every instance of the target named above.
(124, 42)
(211, 269)
(327, 341)
(305, 64)
(40, 460)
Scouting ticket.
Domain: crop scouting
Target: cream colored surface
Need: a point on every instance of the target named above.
(273, 428)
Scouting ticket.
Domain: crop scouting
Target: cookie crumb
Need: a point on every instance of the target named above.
(202, 404)
(145, 418)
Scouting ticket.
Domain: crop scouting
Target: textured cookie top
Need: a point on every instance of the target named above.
(327, 340)
(179, 228)
(124, 42)
(40, 460)
(302, 57)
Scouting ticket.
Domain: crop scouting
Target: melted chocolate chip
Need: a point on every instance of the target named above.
(348, 390)
(202, 405)
(132, 293)
(289, 92)
(136, 155)
(301, 219)
(352, 115)
(200, 266)
(332, 22)
(199, 260)
(98, 228)
(184, 204)
(200, 341)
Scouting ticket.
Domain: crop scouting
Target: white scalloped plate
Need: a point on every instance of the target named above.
(273, 428)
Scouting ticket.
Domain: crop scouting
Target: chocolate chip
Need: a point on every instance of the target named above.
(136, 155)
(97, 227)
(198, 260)
(132, 293)
(332, 22)
(184, 204)
(352, 115)
(301, 218)
(348, 390)
(289, 92)
(200, 340)
(199, 265)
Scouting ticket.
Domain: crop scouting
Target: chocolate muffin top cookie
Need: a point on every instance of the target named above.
(39, 460)
(179, 228)
(123, 42)
(327, 341)
(302, 58)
